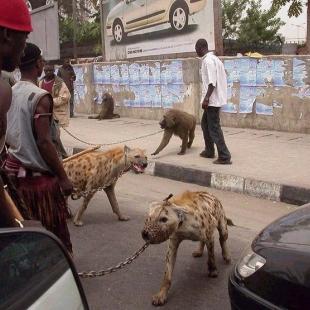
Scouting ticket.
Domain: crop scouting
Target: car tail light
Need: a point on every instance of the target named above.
(249, 263)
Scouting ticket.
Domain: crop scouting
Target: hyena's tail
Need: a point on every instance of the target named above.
(229, 222)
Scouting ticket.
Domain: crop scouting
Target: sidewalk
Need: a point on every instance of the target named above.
(266, 164)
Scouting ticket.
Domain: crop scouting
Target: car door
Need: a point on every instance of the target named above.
(157, 11)
(135, 14)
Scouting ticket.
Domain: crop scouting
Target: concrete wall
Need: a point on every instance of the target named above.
(268, 93)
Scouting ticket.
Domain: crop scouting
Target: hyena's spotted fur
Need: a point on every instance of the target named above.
(97, 169)
(189, 216)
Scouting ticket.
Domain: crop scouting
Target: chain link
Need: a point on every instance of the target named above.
(113, 143)
(128, 261)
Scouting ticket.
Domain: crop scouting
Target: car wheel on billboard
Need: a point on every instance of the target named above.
(118, 32)
(179, 16)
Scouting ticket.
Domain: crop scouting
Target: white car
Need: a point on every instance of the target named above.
(37, 272)
(132, 15)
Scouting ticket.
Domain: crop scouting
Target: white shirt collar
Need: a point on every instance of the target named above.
(208, 54)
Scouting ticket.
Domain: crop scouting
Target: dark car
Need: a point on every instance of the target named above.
(274, 273)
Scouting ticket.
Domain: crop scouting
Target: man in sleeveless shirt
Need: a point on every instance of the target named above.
(14, 29)
(32, 158)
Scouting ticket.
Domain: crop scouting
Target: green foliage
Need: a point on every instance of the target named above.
(231, 15)
(259, 26)
(295, 8)
(246, 22)
(82, 6)
(87, 31)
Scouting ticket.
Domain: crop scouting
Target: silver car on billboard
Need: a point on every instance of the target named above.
(133, 15)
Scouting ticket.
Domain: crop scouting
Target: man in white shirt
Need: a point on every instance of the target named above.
(214, 83)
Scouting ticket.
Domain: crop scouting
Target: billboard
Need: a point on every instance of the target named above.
(139, 28)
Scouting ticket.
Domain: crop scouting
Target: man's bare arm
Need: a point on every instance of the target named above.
(46, 146)
(8, 211)
(5, 103)
(205, 102)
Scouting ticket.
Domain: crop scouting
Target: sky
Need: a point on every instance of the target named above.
(295, 28)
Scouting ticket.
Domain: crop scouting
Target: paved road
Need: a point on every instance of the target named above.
(103, 242)
(255, 153)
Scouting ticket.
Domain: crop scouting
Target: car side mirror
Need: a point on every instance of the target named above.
(37, 272)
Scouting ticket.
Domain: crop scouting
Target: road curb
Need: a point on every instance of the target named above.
(248, 186)
(258, 188)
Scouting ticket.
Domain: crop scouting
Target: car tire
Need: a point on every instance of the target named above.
(118, 32)
(179, 17)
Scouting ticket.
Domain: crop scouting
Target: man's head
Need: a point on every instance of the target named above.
(32, 62)
(49, 70)
(66, 62)
(15, 24)
(201, 47)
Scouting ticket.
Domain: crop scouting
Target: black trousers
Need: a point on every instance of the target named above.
(72, 103)
(212, 133)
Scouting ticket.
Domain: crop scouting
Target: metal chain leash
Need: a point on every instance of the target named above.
(113, 143)
(128, 261)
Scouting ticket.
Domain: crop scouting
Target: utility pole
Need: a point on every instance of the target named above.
(74, 29)
(218, 38)
(102, 30)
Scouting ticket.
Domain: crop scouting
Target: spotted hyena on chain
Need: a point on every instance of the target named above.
(189, 216)
(101, 169)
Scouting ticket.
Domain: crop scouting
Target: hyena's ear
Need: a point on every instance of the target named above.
(166, 200)
(152, 206)
(127, 149)
(180, 212)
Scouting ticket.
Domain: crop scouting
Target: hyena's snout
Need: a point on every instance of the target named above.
(153, 234)
(145, 235)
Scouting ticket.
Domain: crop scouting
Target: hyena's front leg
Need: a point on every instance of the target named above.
(199, 252)
(161, 297)
(77, 219)
(114, 204)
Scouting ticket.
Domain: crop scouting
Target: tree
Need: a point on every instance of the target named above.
(295, 9)
(85, 8)
(259, 26)
(232, 11)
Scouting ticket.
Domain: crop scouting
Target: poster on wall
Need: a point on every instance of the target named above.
(138, 28)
